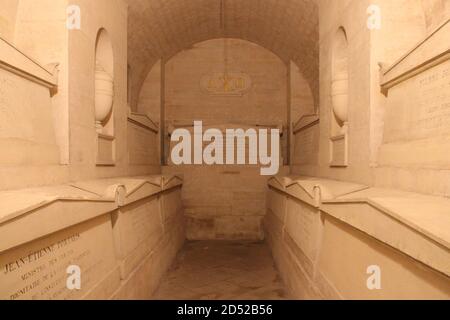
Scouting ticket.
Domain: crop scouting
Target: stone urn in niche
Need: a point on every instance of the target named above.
(104, 96)
(339, 99)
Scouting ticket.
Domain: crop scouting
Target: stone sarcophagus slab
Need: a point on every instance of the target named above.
(303, 233)
(304, 223)
(45, 231)
(137, 225)
(274, 220)
(276, 196)
(388, 230)
(148, 233)
(337, 236)
(295, 228)
(171, 197)
(172, 214)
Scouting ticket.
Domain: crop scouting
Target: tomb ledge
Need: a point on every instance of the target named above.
(417, 225)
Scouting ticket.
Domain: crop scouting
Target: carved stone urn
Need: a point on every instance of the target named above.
(104, 96)
(339, 99)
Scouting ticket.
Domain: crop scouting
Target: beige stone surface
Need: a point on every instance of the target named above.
(265, 102)
(223, 202)
(347, 254)
(26, 125)
(145, 279)
(417, 114)
(303, 226)
(302, 99)
(149, 102)
(137, 230)
(420, 222)
(224, 271)
(111, 228)
(37, 270)
(414, 228)
(262, 73)
(149, 40)
(48, 44)
(306, 135)
(143, 145)
(72, 143)
(435, 11)
(363, 111)
(171, 204)
(26, 209)
(142, 283)
(7, 19)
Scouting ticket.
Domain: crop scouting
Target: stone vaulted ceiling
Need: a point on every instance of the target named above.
(161, 28)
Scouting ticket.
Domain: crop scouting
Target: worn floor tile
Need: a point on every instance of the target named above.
(209, 270)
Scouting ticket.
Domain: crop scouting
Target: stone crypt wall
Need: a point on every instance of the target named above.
(150, 95)
(83, 135)
(328, 237)
(224, 202)
(262, 99)
(122, 232)
(70, 106)
(387, 207)
(333, 16)
(369, 109)
(8, 19)
(369, 181)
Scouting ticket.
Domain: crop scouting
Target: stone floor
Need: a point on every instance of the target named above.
(218, 270)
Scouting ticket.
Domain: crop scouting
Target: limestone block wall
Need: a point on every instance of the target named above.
(301, 97)
(73, 150)
(143, 141)
(436, 12)
(117, 232)
(262, 101)
(27, 134)
(82, 50)
(151, 233)
(395, 42)
(388, 125)
(413, 154)
(291, 36)
(8, 19)
(325, 234)
(223, 202)
(149, 102)
(305, 148)
(48, 44)
(349, 16)
(327, 237)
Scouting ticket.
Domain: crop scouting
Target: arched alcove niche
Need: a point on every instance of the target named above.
(104, 84)
(194, 88)
(339, 99)
(104, 99)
